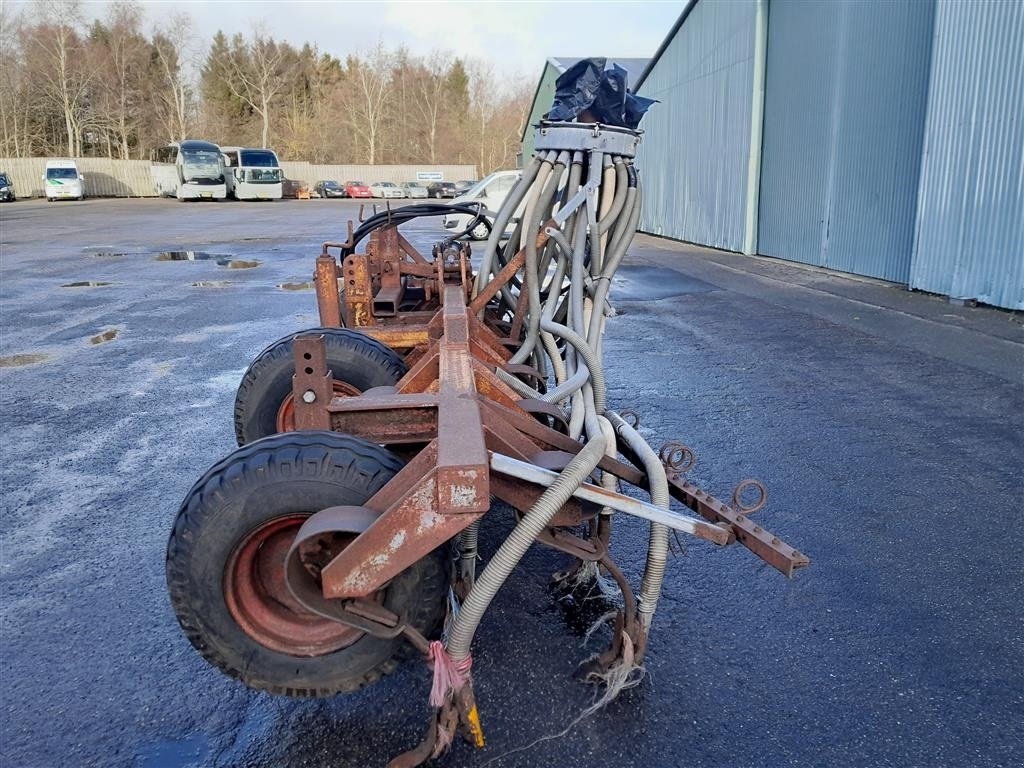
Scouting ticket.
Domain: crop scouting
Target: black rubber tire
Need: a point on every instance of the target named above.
(353, 358)
(283, 475)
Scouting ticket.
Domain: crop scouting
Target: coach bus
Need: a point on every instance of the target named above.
(190, 170)
(252, 174)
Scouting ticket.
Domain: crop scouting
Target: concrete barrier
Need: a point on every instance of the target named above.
(131, 178)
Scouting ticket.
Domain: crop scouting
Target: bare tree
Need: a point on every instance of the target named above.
(430, 95)
(255, 77)
(13, 104)
(118, 49)
(171, 44)
(366, 99)
(65, 77)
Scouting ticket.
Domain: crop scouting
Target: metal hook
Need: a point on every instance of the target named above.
(737, 496)
(677, 456)
(351, 235)
(630, 417)
(361, 219)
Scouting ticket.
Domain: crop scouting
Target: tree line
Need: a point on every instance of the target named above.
(117, 88)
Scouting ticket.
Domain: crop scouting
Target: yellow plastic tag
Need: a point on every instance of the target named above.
(475, 727)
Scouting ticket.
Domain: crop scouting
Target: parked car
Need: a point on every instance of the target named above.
(414, 190)
(295, 188)
(491, 191)
(357, 189)
(462, 186)
(441, 189)
(328, 188)
(386, 189)
(7, 188)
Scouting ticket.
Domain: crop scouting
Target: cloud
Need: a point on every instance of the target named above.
(516, 36)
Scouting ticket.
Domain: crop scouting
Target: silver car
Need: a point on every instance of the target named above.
(386, 189)
(414, 190)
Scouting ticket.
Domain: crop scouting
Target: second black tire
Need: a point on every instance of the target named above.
(353, 358)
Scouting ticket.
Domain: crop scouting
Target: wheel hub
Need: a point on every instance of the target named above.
(257, 594)
(286, 412)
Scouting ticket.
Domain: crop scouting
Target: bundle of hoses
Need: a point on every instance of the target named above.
(577, 213)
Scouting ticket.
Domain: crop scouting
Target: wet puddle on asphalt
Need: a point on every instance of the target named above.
(102, 338)
(20, 361)
(222, 259)
(185, 752)
(638, 282)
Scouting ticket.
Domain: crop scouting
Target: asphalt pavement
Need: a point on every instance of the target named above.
(888, 427)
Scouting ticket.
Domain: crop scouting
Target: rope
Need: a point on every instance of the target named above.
(449, 674)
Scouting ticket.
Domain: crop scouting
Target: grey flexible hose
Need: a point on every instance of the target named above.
(508, 209)
(460, 639)
(611, 217)
(657, 545)
(535, 208)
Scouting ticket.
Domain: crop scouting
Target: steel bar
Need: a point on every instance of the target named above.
(762, 543)
(506, 465)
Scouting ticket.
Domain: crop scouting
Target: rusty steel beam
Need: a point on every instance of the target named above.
(406, 532)
(312, 383)
(328, 297)
(462, 460)
(770, 548)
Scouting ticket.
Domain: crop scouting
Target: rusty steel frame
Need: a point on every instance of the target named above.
(469, 437)
(453, 410)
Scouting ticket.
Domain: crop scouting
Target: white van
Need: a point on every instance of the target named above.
(491, 191)
(62, 181)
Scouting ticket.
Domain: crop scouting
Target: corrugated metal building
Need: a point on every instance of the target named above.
(873, 137)
(545, 92)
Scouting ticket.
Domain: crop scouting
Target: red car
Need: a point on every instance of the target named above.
(357, 189)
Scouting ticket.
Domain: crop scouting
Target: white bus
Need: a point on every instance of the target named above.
(191, 170)
(252, 174)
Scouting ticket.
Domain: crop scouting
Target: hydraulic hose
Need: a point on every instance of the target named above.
(508, 209)
(657, 544)
(460, 639)
(535, 214)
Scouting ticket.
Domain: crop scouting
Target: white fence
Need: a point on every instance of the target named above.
(131, 178)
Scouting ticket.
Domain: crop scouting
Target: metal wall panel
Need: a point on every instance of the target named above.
(541, 104)
(970, 230)
(693, 158)
(845, 96)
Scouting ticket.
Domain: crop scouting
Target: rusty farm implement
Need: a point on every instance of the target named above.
(341, 536)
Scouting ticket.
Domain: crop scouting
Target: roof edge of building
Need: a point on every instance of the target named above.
(664, 44)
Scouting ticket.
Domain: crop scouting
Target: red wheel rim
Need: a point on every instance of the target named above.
(261, 603)
(286, 413)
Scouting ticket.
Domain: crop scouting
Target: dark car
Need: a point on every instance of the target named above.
(441, 189)
(462, 186)
(6, 189)
(329, 188)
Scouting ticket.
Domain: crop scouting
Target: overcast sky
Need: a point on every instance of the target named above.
(516, 36)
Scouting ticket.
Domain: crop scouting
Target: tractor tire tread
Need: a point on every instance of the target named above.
(311, 447)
